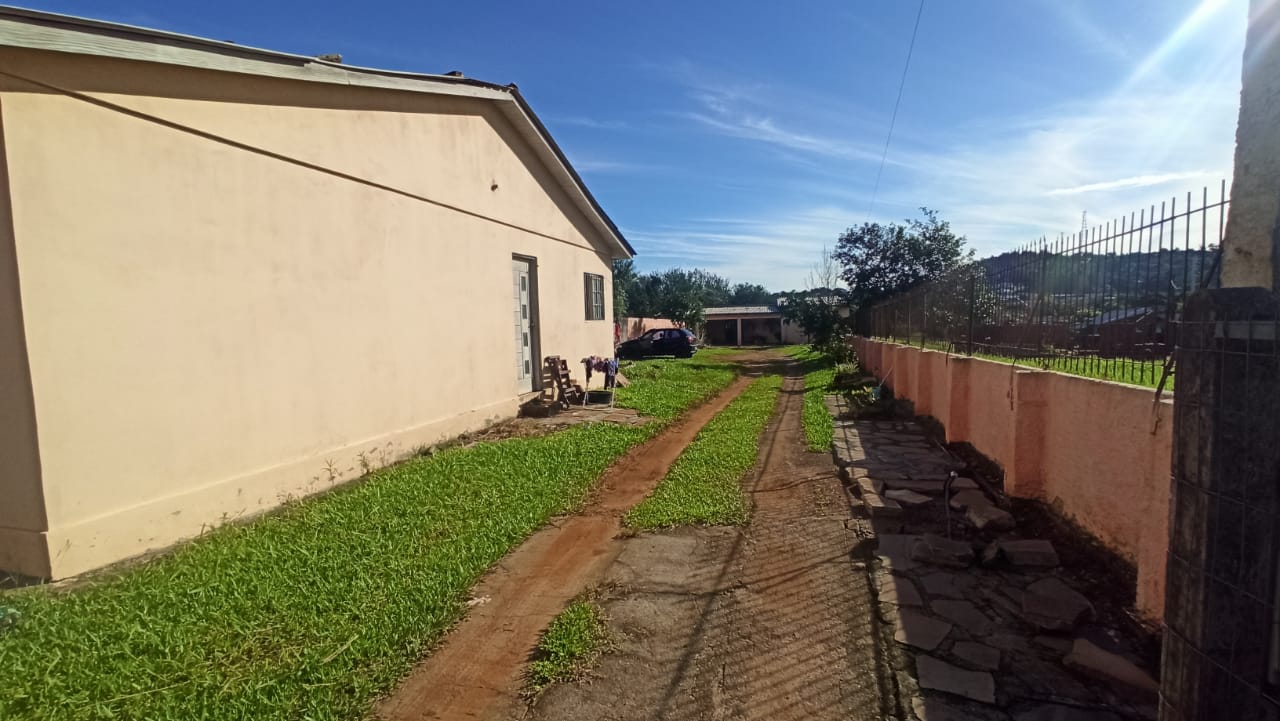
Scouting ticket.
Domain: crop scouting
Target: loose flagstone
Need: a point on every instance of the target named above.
(942, 583)
(963, 614)
(1028, 553)
(939, 675)
(910, 498)
(977, 654)
(868, 486)
(936, 709)
(894, 550)
(1054, 606)
(897, 590)
(880, 507)
(967, 498)
(917, 629)
(933, 486)
(985, 516)
(1056, 712)
(939, 551)
(1112, 668)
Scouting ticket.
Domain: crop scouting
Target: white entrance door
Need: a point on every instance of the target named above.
(522, 293)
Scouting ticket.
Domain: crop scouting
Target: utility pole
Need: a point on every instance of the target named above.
(1221, 643)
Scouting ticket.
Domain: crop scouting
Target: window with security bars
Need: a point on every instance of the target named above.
(593, 287)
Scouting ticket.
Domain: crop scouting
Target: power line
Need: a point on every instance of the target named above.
(893, 119)
(224, 140)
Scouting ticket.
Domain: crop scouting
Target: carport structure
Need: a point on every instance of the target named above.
(749, 325)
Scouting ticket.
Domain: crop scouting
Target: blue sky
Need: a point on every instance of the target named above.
(743, 136)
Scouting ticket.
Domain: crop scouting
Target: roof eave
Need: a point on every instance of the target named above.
(37, 30)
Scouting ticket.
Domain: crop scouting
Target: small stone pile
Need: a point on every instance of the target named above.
(985, 625)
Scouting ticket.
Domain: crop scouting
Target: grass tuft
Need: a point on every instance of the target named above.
(574, 638)
(703, 485)
(819, 374)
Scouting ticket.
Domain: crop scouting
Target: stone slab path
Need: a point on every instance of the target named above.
(985, 625)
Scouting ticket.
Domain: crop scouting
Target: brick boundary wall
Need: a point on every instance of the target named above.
(1098, 451)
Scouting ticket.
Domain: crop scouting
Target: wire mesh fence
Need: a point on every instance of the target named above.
(1101, 302)
(1221, 654)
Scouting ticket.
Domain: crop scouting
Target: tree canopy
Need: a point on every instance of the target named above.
(678, 294)
(820, 311)
(879, 261)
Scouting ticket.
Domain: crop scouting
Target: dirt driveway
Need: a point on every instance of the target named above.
(770, 621)
(476, 673)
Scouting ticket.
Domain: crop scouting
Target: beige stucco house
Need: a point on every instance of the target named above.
(231, 276)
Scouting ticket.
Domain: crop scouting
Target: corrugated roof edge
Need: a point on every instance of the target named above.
(245, 51)
(742, 310)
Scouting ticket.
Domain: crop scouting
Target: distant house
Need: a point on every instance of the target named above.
(1139, 332)
(749, 325)
(232, 276)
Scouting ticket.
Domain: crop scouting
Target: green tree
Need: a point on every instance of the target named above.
(879, 261)
(682, 298)
(750, 294)
(625, 284)
(714, 288)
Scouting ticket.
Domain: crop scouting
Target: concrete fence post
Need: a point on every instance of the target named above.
(960, 372)
(1025, 476)
(923, 362)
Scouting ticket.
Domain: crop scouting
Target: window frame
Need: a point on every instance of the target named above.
(593, 296)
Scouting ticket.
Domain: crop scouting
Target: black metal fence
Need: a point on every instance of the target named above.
(1101, 302)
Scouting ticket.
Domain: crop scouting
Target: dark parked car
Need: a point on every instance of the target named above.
(662, 341)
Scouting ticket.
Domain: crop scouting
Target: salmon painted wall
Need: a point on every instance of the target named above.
(1098, 451)
(635, 327)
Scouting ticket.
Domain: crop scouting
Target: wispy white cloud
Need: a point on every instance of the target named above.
(598, 165)
(766, 130)
(1075, 18)
(745, 112)
(595, 123)
(1136, 181)
(777, 251)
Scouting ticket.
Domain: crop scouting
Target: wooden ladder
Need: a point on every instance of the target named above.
(569, 393)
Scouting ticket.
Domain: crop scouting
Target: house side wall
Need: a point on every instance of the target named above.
(213, 329)
(23, 547)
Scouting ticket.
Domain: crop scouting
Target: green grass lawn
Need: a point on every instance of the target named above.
(703, 485)
(664, 387)
(819, 373)
(569, 644)
(312, 611)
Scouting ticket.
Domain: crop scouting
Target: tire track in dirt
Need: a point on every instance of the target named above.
(477, 670)
(771, 621)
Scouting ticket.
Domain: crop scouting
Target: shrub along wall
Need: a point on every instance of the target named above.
(1099, 451)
